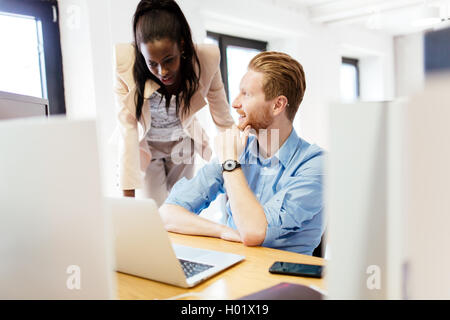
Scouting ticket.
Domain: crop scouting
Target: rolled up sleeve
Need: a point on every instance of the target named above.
(197, 193)
(218, 105)
(294, 206)
(130, 173)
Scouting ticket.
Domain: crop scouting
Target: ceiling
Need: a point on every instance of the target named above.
(393, 17)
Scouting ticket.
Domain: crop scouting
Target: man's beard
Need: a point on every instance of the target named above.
(257, 120)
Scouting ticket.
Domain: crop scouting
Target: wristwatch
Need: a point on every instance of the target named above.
(230, 165)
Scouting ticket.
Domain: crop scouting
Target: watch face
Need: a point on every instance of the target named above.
(229, 165)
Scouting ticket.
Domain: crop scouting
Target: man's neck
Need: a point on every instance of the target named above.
(271, 140)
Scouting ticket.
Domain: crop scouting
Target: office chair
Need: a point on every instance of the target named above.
(319, 251)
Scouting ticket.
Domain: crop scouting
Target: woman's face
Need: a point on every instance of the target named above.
(163, 59)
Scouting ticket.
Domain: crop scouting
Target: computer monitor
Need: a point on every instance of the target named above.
(387, 188)
(14, 105)
(54, 236)
(364, 233)
(428, 176)
(427, 185)
(437, 51)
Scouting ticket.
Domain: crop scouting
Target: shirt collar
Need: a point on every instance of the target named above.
(284, 154)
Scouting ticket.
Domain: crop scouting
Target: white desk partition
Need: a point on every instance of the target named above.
(388, 197)
(54, 234)
(19, 106)
(362, 213)
(427, 191)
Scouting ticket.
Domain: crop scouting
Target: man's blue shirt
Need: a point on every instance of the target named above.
(288, 185)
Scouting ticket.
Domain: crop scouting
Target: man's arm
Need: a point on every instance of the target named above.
(180, 220)
(300, 199)
(188, 198)
(248, 214)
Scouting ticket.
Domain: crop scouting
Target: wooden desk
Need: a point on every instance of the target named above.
(246, 277)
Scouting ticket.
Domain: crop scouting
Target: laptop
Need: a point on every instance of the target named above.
(143, 247)
(53, 230)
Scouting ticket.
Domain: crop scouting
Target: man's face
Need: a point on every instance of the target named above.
(251, 103)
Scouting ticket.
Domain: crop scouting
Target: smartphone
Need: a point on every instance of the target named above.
(297, 269)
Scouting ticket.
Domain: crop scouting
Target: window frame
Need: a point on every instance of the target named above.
(354, 62)
(224, 41)
(46, 12)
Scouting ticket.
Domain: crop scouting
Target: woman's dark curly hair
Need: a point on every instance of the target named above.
(156, 20)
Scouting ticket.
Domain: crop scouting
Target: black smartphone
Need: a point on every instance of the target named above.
(297, 269)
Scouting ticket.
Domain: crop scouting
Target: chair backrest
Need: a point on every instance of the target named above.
(319, 251)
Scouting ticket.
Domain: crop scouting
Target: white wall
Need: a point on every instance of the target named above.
(86, 45)
(87, 56)
(375, 53)
(318, 48)
(77, 58)
(409, 64)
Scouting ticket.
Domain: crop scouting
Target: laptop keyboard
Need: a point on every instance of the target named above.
(192, 268)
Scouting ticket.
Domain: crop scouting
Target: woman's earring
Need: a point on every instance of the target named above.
(182, 55)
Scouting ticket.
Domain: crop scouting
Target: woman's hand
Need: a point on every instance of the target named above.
(128, 193)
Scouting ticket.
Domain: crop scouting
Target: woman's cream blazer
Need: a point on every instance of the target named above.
(134, 153)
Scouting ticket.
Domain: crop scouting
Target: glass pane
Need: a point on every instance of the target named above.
(211, 40)
(19, 56)
(349, 83)
(237, 62)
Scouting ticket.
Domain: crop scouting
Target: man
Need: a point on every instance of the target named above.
(273, 179)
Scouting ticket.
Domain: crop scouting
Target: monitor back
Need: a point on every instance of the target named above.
(54, 238)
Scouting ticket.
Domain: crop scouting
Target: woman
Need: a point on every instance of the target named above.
(162, 80)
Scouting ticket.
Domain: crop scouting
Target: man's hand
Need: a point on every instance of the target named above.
(178, 219)
(230, 234)
(230, 143)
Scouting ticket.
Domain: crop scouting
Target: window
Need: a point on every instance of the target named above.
(349, 80)
(30, 58)
(235, 53)
(21, 56)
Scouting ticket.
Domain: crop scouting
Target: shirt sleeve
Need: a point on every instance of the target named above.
(218, 104)
(131, 176)
(197, 193)
(295, 204)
